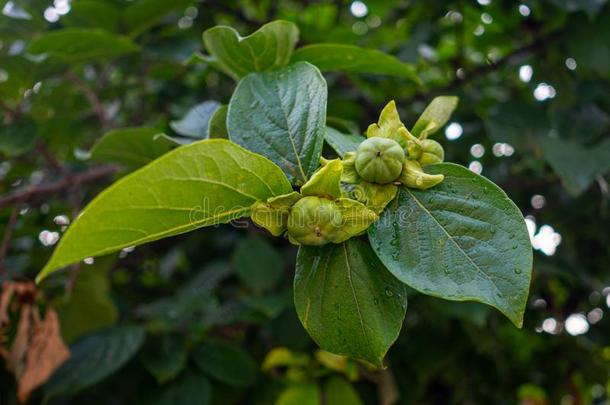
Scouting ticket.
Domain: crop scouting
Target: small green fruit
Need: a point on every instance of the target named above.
(379, 160)
(432, 152)
(314, 221)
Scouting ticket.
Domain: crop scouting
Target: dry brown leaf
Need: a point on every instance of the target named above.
(15, 362)
(10, 288)
(5, 298)
(37, 349)
(44, 355)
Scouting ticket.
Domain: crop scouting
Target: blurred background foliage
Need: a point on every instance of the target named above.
(208, 317)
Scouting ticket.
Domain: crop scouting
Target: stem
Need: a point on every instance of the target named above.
(6, 240)
(34, 192)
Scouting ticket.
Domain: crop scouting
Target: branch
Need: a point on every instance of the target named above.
(44, 151)
(38, 191)
(93, 99)
(8, 235)
(540, 42)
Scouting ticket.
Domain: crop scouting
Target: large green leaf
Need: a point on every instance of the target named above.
(348, 302)
(81, 44)
(342, 143)
(281, 115)
(268, 48)
(338, 391)
(141, 15)
(132, 147)
(94, 358)
(435, 116)
(577, 166)
(204, 183)
(164, 357)
(462, 240)
(94, 14)
(301, 394)
(350, 58)
(90, 295)
(257, 263)
(226, 363)
(191, 388)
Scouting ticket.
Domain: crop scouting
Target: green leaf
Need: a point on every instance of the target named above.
(195, 123)
(342, 143)
(164, 357)
(81, 45)
(355, 219)
(205, 183)
(518, 123)
(192, 388)
(326, 181)
(89, 296)
(301, 394)
(132, 147)
(143, 14)
(272, 304)
(226, 363)
(589, 42)
(283, 357)
(462, 240)
(19, 137)
(577, 166)
(390, 126)
(268, 48)
(348, 302)
(273, 213)
(94, 358)
(339, 391)
(281, 115)
(257, 263)
(435, 116)
(217, 126)
(350, 58)
(93, 14)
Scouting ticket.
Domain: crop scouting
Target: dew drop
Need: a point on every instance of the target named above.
(388, 292)
(517, 271)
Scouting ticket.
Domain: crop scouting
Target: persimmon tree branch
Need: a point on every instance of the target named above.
(477, 72)
(92, 97)
(6, 239)
(30, 193)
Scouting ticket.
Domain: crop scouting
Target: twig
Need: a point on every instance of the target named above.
(42, 148)
(6, 240)
(482, 70)
(34, 192)
(92, 97)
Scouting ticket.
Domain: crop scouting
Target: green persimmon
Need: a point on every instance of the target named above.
(379, 160)
(314, 221)
(431, 152)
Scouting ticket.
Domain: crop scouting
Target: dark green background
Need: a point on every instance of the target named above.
(195, 290)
